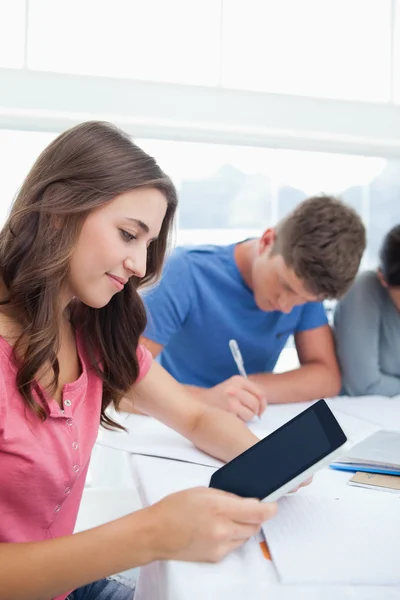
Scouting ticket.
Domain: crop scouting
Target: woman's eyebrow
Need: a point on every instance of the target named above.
(142, 225)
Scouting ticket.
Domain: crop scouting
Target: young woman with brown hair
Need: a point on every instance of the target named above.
(89, 226)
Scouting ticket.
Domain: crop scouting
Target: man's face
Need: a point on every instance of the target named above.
(393, 291)
(275, 285)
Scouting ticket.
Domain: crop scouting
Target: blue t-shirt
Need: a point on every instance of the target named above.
(201, 303)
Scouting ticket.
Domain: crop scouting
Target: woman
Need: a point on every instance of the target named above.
(89, 226)
(367, 327)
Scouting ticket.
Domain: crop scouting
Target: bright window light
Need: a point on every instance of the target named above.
(160, 40)
(12, 33)
(228, 193)
(18, 152)
(396, 53)
(324, 48)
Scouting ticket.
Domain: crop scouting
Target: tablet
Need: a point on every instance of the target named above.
(286, 457)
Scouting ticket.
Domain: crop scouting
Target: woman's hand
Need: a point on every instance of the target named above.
(205, 524)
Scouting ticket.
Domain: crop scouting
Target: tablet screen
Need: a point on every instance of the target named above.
(282, 455)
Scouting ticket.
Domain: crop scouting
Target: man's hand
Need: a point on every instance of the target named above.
(237, 395)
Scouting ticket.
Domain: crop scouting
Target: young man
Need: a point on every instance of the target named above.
(367, 327)
(259, 292)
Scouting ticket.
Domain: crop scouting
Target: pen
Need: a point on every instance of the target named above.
(238, 358)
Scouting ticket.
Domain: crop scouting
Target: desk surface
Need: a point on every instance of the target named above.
(246, 573)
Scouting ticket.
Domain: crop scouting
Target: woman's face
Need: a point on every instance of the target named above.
(112, 245)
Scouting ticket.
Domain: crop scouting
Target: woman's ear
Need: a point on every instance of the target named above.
(56, 221)
(381, 278)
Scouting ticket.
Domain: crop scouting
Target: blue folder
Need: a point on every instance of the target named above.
(364, 469)
(378, 453)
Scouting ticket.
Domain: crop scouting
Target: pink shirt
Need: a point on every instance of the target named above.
(43, 466)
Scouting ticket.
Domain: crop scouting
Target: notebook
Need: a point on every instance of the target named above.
(376, 481)
(346, 541)
(149, 437)
(378, 453)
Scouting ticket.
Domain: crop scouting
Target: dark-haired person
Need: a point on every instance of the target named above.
(367, 327)
(259, 292)
(89, 226)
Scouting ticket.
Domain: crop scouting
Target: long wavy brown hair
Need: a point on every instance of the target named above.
(82, 169)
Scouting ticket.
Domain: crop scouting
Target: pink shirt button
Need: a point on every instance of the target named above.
(41, 452)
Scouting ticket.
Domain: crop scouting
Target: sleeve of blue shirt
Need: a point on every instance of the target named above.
(313, 315)
(168, 303)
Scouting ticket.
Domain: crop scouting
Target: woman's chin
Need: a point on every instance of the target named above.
(96, 302)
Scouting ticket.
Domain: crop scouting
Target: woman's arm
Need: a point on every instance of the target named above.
(215, 431)
(38, 570)
(199, 524)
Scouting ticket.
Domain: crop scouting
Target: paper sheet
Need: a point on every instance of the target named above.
(375, 409)
(276, 415)
(316, 540)
(151, 438)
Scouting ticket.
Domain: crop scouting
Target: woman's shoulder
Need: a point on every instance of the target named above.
(367, 286)
(365, 295)
(368, 278)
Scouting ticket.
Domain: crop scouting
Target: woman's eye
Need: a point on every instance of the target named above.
(128, 237)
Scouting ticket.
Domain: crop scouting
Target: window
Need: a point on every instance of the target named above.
(18, 152)
(224, 191)
(160, 40)
(384, 207)
(353, 178)
(396, 53)
(330, 48)
(12, 33)
(227, 193)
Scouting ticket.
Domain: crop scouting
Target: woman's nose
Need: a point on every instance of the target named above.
(137, 265)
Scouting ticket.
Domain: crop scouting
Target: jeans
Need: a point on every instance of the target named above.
(112, 588)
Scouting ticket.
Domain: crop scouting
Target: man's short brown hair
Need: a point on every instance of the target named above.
(323, 241)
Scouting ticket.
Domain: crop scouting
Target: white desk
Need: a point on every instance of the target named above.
(246, 573)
